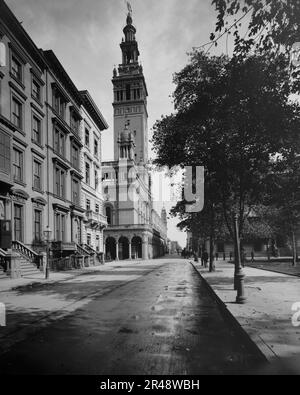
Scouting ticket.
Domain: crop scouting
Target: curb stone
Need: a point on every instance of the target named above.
(253, 342)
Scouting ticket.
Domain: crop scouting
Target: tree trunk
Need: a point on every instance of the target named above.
(237, 253)
(212, 241)
(268, 251)
(211, 254)
(294, 245)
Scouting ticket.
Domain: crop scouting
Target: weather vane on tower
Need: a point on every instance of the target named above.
(128, 7)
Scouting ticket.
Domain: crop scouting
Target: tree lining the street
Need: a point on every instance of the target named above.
(274, 22)
(208, 224)
(285, 199)
(233, 117)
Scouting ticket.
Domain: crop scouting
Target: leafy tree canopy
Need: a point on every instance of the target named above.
(271, 23)
(233, 118)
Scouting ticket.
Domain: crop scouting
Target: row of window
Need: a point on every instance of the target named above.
(18, 169)
(87, 142)
(59, 176)
(60, 148)
(128, 94)
(59, 136)
(59, 187)
(89, 207)
(5, 153)
(88, 175)
(19, 223)
(89, 241)
(17, 72)
(59, 226)
(18, 121)
(60, 107)
(59, 223)
(59, 102)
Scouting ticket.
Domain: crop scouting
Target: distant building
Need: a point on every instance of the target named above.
(175, 248)
(94, 221)
(135, 229)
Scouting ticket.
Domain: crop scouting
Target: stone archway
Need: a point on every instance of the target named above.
(110, 249)
(137, 244)
(123, 248)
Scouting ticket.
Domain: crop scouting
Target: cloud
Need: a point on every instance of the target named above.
(85, 35)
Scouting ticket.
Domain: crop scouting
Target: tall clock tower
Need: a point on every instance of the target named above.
(135, 230)
(130, 98)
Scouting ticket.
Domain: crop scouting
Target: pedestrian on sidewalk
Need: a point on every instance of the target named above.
(205, 258)
(252, 256)
(230, 256)
(196, 259)
(217, 256)
(202, 261)
(224, 256)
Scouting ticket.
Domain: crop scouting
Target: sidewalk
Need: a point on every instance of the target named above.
(267, 315)
(55, 277)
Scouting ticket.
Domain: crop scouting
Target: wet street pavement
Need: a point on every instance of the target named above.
(149, 319)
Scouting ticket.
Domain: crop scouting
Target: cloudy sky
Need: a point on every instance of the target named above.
(85, 35)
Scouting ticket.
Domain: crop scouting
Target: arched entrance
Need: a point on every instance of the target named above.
(137, 247)
(123, 248)
(110, 248)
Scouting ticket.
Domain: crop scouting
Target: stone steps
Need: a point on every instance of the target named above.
(28, 268)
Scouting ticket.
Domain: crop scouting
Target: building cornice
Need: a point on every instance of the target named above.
(61, 74)
(36, 152)
(6, 122)
(11, 24)
(19, 193)
(76, 173)
(91, 107)
(61, 163)
(75, 138)
(17, 90)
(60, 207)
(38, 110)
(61, 124)
(39, 200)
(37, 75)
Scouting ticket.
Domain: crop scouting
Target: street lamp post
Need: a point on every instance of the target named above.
(239, 275)
(47, 234)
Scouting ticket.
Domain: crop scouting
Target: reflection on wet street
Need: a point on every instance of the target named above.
(163, 322)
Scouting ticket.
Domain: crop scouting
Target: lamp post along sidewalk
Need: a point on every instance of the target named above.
(47, 234)
(239, 275)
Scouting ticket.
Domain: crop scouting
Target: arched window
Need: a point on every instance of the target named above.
(108, 212)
